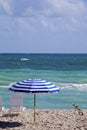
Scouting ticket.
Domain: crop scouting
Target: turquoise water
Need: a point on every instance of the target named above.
(68, 71)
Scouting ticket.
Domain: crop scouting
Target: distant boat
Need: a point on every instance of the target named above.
(24, 59)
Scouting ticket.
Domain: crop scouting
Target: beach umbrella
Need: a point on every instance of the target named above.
(34, 86)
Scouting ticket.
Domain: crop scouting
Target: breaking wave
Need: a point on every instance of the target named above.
(66, 86)
(72, 86)
(24, 59)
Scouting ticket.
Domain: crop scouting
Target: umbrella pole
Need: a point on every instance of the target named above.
(34, 107)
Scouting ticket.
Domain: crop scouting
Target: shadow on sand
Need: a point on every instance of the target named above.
(7, 124)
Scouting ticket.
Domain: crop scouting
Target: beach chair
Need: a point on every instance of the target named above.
(16, 103)
(1, 105)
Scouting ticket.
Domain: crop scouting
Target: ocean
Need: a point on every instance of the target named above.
(67, 71)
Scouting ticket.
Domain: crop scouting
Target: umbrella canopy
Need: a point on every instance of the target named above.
(34, 86)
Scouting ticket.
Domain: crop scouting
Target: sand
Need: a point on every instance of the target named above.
(45, 120)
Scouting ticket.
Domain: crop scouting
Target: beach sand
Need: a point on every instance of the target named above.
(45, 120)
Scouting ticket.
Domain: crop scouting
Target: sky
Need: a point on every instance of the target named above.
(43, 26)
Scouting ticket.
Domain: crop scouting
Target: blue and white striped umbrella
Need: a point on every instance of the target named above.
(34, 86)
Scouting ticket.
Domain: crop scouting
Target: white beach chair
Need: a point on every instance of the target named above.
(16, 103)
(1, 105)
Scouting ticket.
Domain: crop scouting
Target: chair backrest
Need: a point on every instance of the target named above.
(16, 102)
(0, 103)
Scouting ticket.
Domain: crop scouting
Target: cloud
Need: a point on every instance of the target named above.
(48, 8)
(6, 6)
(65, 15)
(65, 8)
(26, 23)
(52, 14)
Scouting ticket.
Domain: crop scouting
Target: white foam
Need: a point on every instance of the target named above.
(72, 86)
(65, 86)
(4, 86)
(24, 59)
